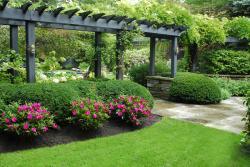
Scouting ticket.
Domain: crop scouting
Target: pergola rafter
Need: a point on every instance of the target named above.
(84, 21)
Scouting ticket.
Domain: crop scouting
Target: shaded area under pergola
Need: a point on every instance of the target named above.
(85, 21)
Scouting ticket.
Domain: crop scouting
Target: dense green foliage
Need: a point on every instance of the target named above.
(234, 87)
(138, 73)
(194, 88)
(113, 89)
(58, 97)
(11, 67)
(246, 139)
(225, 62)
(239, 27)
(175, 143)
(203, 30)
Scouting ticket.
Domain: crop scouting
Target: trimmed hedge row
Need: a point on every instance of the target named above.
(194, 88)
(225, 62)
(58, 97)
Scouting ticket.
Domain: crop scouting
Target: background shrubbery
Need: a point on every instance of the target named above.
(138, 73)
(225, 62)
(194, 88)
(233, 87)
(246, 133)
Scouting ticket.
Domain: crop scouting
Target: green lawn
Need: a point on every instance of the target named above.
(168, 143)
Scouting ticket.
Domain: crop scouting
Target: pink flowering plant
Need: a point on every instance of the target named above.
(88, 114)
(28, 119)
(131, 109)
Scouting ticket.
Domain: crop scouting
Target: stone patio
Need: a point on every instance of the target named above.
(225, 116)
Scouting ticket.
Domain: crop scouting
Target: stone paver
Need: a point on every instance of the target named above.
(225, 116)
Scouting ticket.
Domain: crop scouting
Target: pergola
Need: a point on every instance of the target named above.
(84, 21)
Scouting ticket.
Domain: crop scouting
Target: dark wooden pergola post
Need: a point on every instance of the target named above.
(30, 51)
(119, 57)
(13, 46)
(14, 38)
(98, 58)
(152, 57)
(174, 52)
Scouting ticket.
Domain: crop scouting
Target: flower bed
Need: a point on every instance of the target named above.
(130, 109)
(27, 119)
(88, 114)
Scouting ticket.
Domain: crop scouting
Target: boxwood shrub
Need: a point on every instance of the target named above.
(194, 88)
(58, 97)
(115, 88)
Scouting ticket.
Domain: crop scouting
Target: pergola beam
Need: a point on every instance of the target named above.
(25, 7)
(48, 17)
(41, 9)
(57, 11)
(70, 13)
(85, 14)
(59, 26)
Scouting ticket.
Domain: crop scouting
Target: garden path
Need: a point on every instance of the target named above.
(225, 116)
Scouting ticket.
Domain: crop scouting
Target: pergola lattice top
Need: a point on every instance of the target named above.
(84, 21)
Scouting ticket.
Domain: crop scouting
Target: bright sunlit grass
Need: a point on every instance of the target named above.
(168, 143)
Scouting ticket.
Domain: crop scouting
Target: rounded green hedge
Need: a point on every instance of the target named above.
(194, 88)
(58, 97)
(115, 88)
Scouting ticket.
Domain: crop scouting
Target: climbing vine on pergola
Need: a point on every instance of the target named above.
(84, 21)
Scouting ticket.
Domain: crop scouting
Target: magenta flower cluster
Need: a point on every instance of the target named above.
(27, 119)
(88, 114)
(130, 109)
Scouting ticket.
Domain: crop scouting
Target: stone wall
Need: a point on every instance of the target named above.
(159, 86)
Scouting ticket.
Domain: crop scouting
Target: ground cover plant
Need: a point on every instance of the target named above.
(130, 109)
(194, 88)
(28, 119)
(168, 143)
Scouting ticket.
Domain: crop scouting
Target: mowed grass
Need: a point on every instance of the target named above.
(167, 143)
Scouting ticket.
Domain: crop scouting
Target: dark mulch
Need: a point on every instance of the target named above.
(67, 134)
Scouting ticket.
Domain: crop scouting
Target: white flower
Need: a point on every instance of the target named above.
(79, 77)
(56, 80)
(73, 78)
(43, 77)
(63, 79)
